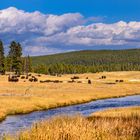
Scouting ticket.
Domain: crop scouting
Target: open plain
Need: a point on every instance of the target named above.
(24, 96)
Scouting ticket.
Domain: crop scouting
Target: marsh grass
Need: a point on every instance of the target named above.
(80, 128)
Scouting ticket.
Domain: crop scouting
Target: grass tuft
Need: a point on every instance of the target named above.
(80, 128)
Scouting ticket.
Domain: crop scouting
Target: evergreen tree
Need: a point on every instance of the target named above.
(27, 65)
(29, 62)
(2, 70)
(15, 54)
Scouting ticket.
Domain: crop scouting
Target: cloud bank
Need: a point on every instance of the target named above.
(42, 34)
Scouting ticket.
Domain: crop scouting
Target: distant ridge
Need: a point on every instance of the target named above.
(91, 57)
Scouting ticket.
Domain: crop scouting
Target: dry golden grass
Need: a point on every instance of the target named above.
(119, 112)
(39, 96)
(80, 128)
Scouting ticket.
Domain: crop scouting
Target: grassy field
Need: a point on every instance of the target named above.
(119, 112)
(125, 125)
(25, 97)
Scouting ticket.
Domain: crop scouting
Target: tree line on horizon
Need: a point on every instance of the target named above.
(14, 61)
(89, 61)
(68, 63)
(62, 68)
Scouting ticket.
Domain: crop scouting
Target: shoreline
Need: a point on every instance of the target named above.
(64, 105)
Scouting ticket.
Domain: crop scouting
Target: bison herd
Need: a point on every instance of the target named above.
(119, 81)
(75, 79)
(102, 77)
(51, 81)
(31, 78)
(15, 78)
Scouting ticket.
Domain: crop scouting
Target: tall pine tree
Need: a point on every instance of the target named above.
(27, 65)
(15, 54)
(2, 70)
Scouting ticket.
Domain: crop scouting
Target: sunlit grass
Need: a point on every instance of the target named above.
(119, 112)
(40, 96)
(92, 128)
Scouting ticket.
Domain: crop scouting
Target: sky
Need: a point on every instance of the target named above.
(54, 26)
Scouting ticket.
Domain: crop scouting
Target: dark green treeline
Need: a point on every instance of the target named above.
(88, 61)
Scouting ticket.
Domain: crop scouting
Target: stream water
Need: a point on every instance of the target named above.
(16, 123)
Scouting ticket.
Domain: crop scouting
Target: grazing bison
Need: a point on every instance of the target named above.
(18, 75)
(57, 81)
(13, 78)
(72, 81)
(51, 81)
(33, 79)
(46, 81)
(30, 79)
(29, 74)
(103, 77)
(89, 81)
(22, 77)
(119, 81)
(79, 81)
(74, 77)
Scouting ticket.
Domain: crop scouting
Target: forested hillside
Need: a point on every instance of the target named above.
(88, 61)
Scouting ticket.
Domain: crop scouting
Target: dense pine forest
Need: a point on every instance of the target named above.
(88, 61)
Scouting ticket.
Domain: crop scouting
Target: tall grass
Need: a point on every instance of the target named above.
(80, 128)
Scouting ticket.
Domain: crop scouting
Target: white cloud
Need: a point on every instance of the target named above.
(44, 33)
(19, 22)
(120, 33)
(37, 50)
(55, 24)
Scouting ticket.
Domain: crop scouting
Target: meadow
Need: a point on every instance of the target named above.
(24, 96)
(125, 125)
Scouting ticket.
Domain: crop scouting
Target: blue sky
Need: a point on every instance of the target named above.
(54, 26)
(113, 10)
